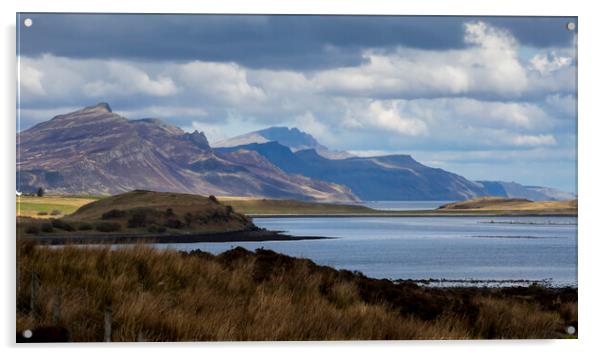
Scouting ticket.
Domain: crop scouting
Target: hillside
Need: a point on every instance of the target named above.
(165, 295)
(277, 207)
(506, 204)
(142, 213)
(96, 151)
(395, 177)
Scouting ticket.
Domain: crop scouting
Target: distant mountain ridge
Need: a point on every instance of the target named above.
(516, 190)
(95, 151)
(393, 177)
(292, 138)
(396, 177)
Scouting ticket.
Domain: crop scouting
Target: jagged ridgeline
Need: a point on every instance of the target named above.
(96, 151)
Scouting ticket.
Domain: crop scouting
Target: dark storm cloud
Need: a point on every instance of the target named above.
(276, 42)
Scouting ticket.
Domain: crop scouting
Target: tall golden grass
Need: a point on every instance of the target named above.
(164, 295)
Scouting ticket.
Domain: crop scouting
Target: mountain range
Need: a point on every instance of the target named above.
(96, 151)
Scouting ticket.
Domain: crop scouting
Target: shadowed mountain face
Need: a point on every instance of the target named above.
(292, 138)
(515, 190)
(95, 151)
(396, 177)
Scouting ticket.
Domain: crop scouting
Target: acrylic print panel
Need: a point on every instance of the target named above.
(262, 177)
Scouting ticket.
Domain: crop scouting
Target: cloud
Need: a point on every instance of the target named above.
(533, 140)
(164, 112)
(218, 92)
(30, 80)
(223, 82)
(565, 105)
(489, 67)
(385, 116)
(549, 62)
(122, 76)
(259, 41)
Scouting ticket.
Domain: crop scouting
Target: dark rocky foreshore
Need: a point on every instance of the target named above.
(227, 236)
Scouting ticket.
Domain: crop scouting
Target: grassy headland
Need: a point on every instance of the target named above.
(568, 207)
(165, 295)
(146, 216)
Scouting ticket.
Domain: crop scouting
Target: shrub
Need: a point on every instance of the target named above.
(138, 219)
(108, 227)
(229, 209)
(32, 229)
(55, 212)
(42, 213)
(156, 229)
(213, 199)
(60, 224)
(113, 214)
(85, 226)
(188, 218)
(47, 227)
(174, 224)
(169, 212)
(40, 192)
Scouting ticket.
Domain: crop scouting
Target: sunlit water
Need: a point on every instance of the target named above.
(457, 248)
(405, 205)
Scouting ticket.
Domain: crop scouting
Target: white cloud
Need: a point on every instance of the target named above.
(451, 97)
(30, 80)
(490, 67)
(549, 62)
(316, 128)
(223, 82)
(213, 132)
(163, 112)
(130, 79)
(489, 37)
(533, 140)
(384, 116)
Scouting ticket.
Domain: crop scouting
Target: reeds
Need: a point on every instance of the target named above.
(164, 295)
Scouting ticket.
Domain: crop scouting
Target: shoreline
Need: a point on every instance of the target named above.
(417, 214)
(228, 236)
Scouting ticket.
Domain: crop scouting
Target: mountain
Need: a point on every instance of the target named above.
(515, 190)
(96, 151)
(292, 138)
(395, 177)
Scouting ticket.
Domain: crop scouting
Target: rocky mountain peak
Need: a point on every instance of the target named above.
(198, 138)
(100, 107)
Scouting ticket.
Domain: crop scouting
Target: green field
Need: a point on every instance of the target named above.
(32, 206)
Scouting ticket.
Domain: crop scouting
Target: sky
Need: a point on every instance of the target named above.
(489, 98)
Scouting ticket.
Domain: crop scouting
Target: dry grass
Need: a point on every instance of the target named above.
(164, 295)
(275, 206)
(506, 204)
(42, 207)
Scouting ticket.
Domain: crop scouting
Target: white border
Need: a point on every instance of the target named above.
(589, 162)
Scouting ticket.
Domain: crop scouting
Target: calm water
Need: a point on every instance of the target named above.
(519, 248)
(405, 205)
